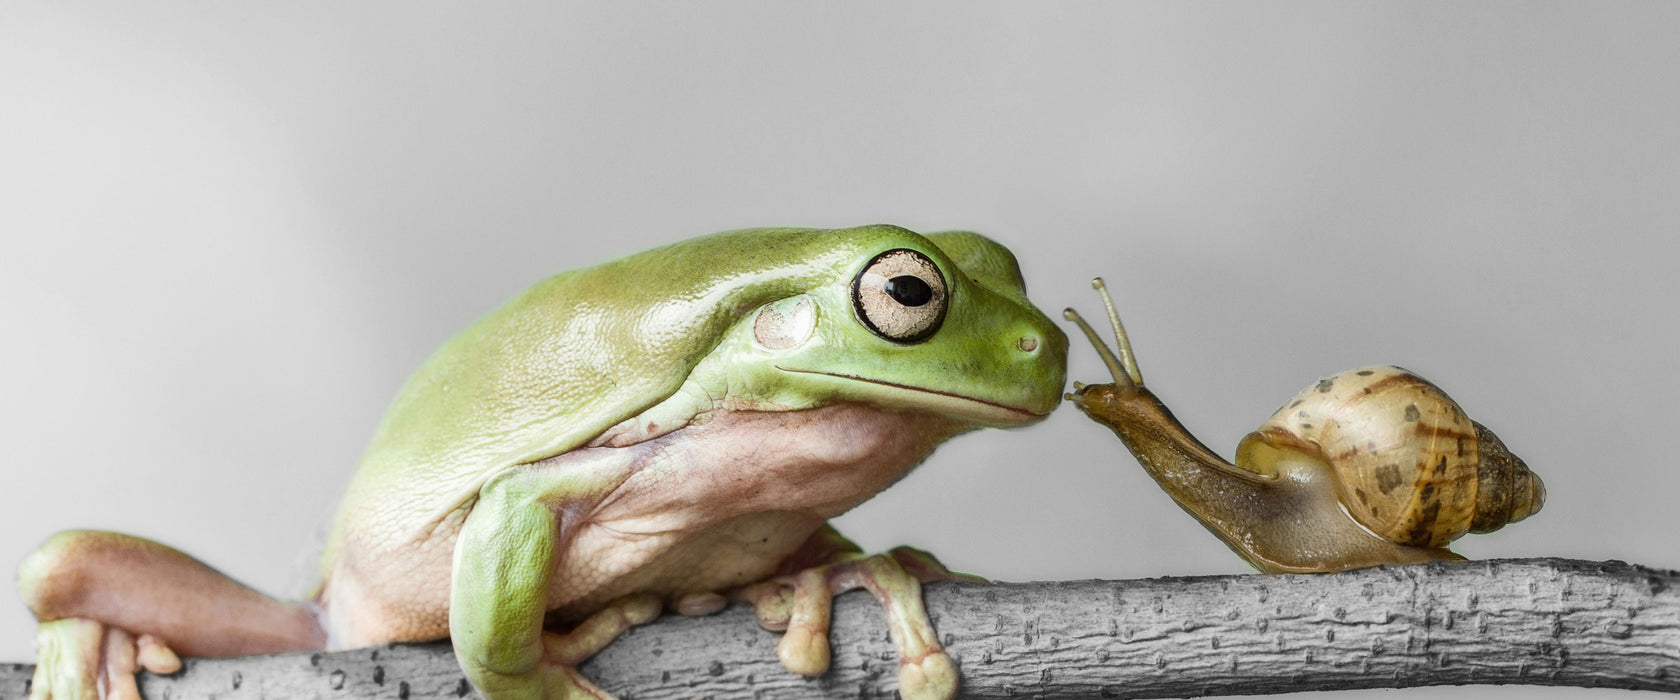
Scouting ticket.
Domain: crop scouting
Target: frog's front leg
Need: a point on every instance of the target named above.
(504, 562)
(801, 601)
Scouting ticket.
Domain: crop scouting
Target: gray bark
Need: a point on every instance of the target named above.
(1528, 621)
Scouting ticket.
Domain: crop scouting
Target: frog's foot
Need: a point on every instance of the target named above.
(562, 653)
(81, 659)
(97, 592)
(802, 603)
(699, 604)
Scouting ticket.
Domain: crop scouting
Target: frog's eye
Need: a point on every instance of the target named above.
(900, 296)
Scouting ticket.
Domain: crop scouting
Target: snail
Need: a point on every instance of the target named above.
(1372, 466)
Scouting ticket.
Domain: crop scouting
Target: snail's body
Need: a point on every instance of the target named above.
(1290, 522)
(1373, 466)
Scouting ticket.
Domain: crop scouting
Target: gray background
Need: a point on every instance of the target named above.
(229, 232)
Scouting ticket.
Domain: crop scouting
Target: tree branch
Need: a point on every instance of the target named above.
(1523, 621)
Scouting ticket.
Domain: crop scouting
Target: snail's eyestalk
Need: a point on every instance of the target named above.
(1121, 376)
(1122, 342)
(1124, 365)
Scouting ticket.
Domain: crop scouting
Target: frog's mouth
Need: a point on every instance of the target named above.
(953, 404)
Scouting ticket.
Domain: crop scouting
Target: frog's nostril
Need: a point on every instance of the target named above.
(1027, 344)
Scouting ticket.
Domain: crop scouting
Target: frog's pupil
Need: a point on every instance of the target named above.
(909, 290)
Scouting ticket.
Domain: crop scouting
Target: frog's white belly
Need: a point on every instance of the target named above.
(605, 565)
(723, 504)
(712, 506)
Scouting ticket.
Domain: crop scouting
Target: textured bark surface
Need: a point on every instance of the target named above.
(1531, 621)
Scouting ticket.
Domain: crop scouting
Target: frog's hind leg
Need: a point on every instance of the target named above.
(110, 604)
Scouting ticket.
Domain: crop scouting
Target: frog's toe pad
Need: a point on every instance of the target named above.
(155, 656)
(695, 604)
(933, 677)
(804, 650)
(640, 609)
(772, 601)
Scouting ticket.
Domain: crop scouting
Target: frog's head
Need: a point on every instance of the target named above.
(938, 323)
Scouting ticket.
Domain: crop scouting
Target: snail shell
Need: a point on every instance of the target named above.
(1409, 465)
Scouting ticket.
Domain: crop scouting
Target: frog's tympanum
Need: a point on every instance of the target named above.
(661, 431)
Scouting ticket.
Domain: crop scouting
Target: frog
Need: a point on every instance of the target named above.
(668, 431)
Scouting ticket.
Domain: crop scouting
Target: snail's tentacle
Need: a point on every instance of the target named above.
(1122, 342)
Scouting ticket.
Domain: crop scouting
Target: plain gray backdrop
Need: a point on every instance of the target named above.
(229, 231)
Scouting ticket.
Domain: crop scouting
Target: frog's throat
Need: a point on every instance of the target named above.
(955, 405)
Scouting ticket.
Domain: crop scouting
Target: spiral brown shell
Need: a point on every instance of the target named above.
(1410, 466)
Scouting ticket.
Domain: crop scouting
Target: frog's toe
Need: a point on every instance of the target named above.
(804, 651)
(925, 671)
(772, 601)
(600, 629)
(67, 662)
(562, 652)
(800, 606)
(933, 677)
(804, 648)
(640, 609)
(116, 674)
(125, 656)
(155, 656)
(698, 604)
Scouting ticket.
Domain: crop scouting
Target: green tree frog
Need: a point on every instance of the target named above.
(660, 431)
